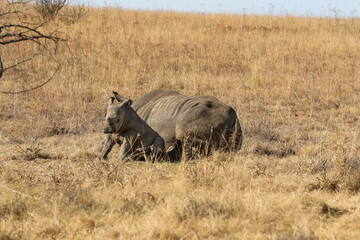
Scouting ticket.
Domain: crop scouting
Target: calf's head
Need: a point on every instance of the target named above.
(115, 120)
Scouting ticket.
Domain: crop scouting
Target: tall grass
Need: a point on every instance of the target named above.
(294, 83)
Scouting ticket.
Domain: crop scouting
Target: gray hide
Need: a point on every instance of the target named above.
(190, 121)
(135, 134)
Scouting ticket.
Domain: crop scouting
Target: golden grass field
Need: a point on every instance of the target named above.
(293, 81)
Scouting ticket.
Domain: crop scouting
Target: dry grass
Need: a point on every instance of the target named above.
(294, 82)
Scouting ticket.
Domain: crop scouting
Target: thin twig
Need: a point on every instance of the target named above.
(39, 86)
(1, 68)
(6, 13)
(20, 37)
(21, 62)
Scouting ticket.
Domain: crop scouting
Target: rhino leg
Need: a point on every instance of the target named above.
(158, 147)
(109, 142)
(125, 149)
(193, 145)
(174, 154)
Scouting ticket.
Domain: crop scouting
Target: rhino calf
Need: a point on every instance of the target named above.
(133, 133)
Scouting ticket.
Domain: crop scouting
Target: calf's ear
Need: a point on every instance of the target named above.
(119, 98)
(111, 100)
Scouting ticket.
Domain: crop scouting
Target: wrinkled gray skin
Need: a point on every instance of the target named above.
(134, 134)
(189, 122)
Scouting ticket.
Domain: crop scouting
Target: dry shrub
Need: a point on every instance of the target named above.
(73, 14)
(338, 178)
(332, 211)
(322, 209)
(30, 154)
(48, 9)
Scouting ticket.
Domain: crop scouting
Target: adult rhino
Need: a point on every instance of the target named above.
(195, 122)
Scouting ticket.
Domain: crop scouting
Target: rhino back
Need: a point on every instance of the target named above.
(208, 116)
(148, 100)
(144, 107)
(174, 115)
(161, 114)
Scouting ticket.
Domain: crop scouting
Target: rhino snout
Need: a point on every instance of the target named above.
(109, 128)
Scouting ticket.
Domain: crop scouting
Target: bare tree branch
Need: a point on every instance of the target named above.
(18, 63)
(30, 33)
(20, 37)
(1, 68)
(38, 86)
(7, 13)
(18, 23)
(34, 29)
(48, 9)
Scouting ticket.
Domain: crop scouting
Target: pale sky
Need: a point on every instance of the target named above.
(334, 8)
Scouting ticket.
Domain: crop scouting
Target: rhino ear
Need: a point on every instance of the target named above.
(128, 102)
(111, 100)
(119, 98)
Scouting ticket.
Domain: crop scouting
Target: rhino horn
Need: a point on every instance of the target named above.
(119, 98)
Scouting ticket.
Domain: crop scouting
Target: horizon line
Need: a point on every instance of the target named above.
(271, 11)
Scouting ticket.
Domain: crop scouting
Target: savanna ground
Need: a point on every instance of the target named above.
(294, 83)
